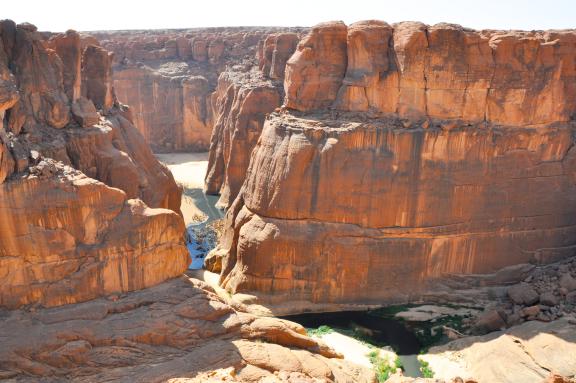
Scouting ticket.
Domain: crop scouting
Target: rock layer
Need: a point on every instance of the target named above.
(168, 77)
(177, 330)
(442, 71)
(331, 206)
(84, 205)
(243, 99)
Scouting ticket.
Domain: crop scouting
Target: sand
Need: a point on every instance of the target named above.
(354, 350)
(189, 170)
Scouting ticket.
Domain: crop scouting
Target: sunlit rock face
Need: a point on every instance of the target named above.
(85, 208)
(168, 76)
(406, 155)
(442, 71)
(243, 98)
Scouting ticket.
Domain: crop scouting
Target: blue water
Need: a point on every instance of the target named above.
(200, 245)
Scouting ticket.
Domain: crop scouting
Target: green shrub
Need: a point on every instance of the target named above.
(398, 363)
(322, 330)
(425, 369)
(382, 367)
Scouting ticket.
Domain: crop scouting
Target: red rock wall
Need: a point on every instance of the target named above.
(167, 77)
(442, 71)
(407, 155)
(84, 205)
(242, 101)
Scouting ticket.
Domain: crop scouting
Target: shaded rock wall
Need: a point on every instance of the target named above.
(85, 208)
(363, 204)
(168, 76)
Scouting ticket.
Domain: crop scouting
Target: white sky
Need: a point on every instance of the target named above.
(83, 15)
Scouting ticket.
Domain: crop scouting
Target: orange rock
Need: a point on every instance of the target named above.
(149, 336)
(342, 211)
(314, 73)
(243, 100)
(91, 241)
(369, 57)
(65, 237)
(97, 77)
(39, 75)
(442, 71)
(159, 74)
(67, 46)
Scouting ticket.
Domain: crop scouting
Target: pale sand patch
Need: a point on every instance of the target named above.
(189, 170)
(354, 350)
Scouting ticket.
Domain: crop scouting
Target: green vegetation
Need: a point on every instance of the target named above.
(425, 369)
(382, 367)
(322, 330)
(398, 363)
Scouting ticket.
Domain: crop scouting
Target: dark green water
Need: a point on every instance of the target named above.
(376, 330)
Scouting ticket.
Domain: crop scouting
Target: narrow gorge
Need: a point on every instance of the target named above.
(416, 181)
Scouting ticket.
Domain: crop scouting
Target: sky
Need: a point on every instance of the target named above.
(82, 15)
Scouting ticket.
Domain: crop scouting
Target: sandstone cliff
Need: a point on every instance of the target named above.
(442, 71)
(244, 96)
(85, 208)
(168, 76)
(445, 152)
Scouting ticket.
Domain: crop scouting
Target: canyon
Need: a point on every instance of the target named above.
(90, 227)
(360, 166)
(168, 77)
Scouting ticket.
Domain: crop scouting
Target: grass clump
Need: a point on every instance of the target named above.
(425, 369)
(322, 330)
(382, 367)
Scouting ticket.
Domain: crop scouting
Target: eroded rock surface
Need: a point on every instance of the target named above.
(178, 330)
(442, 71)
(437, 154)
(168, 77)
(244, 97)
(85, 208)
(243, 101)
(532, 352)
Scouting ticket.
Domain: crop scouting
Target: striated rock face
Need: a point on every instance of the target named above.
(446, 152)
(243, 101)
(92, 240)
(442, 71)
(168, 77)
(314, 73)
(85, 208)
(173, 114)
(178, 330)
(331, 206)
(274, 52)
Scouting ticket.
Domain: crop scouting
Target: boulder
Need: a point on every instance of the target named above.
(567, 282)
(489, 321)
(523, 294)
(84, 112)
(549, 299)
